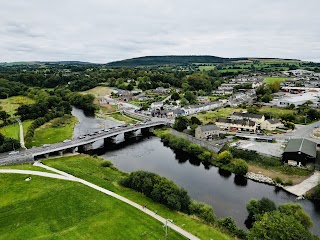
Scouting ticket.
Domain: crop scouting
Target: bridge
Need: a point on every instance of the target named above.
(82, 143)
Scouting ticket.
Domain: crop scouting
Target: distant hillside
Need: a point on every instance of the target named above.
(170, 60)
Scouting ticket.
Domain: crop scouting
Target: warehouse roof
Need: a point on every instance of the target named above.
(302, 145)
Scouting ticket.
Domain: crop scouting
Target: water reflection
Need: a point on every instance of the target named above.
(224, 173)
(240, 180)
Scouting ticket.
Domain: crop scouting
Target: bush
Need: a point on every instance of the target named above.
(278, 180)
(203, 211)
(239, 166)
(159, 189)
(106, 163)
(230, 226)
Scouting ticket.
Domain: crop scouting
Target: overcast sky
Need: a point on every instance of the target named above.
(103, 30)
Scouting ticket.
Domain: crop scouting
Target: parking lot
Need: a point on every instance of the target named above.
(273, 149)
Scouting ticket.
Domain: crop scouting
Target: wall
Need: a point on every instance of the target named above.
(211, 146)
(136, 115)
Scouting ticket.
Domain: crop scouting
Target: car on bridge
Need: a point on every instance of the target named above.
(67, 140)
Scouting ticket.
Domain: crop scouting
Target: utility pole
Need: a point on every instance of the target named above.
(166, 226)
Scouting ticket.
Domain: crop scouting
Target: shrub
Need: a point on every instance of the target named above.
(239, 166)
(203, 211)
(278, 180)
(106, 163)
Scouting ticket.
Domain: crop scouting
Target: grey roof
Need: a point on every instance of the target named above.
(302, 145)
(273, 121)
(238, 122)
(247, 115)
(205, 128)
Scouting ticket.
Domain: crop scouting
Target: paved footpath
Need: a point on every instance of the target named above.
(303, 187)
(65, 176)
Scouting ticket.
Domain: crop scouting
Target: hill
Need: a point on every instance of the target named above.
(170, 60)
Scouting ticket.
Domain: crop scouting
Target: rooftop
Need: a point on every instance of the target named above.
(205, 128)
(302, 145)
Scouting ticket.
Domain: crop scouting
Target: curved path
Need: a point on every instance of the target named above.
(65, 176)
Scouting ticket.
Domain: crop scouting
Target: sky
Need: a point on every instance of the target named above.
(102, 31)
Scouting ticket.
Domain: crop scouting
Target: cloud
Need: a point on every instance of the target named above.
(103, 31)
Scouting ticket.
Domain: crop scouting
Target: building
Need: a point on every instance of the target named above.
(236, 125)
(299, 152)
(161, 90)
(207, 131)
(258, 118)
(155, 105)
(271, 124)
(299, 99)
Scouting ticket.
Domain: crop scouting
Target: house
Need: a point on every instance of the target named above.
(207, 131)
(155, 105)
(271, 124)
(258, 118)
(161, 90)
(236, 125)
(299, 151)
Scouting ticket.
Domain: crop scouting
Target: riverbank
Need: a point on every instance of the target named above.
(92, 169)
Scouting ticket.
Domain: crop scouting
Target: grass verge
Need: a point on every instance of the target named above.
(45, 208)
(90, 169)
(11, 104)
(12, 131)
(55, 131)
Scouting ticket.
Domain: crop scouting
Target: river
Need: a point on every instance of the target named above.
(226, 193)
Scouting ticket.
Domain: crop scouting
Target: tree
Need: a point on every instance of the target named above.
(266, 98)
(190, 97)
(295, 210)
(175, 96)
(239, 166)
(4, 116)
(256, 208)
(276, 225)
(225, 157)
(195, 120)
(184, 102)
(181, 123)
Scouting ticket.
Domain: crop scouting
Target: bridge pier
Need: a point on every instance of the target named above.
(130, 134)
(73, 150)
(61, 153)
(46, 155)
(85, 148)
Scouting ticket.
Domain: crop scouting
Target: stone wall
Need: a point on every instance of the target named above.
(136, 115)
(213, 146)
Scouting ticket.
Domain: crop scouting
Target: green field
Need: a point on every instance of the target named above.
(212, 116)
(89, 168)
(12, 131)
(206, 68)
(269, 80)
(11, 104)
(45, 208)
(54, 131)
(120, 117)
(276, 112)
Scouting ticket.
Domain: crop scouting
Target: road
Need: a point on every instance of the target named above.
(29, 154)
(21, 134)
(65, 176)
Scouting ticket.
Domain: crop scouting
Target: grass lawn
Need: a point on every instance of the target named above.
(120, 117)
(45, 208)
(54, 131)
(12, 131)
(11, 104)
(274, 79)
(99, 91)
(89, 168)
(212, 116)
(277, 112)
(206, 68)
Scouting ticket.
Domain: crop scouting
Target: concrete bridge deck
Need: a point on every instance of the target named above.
(29, 154)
